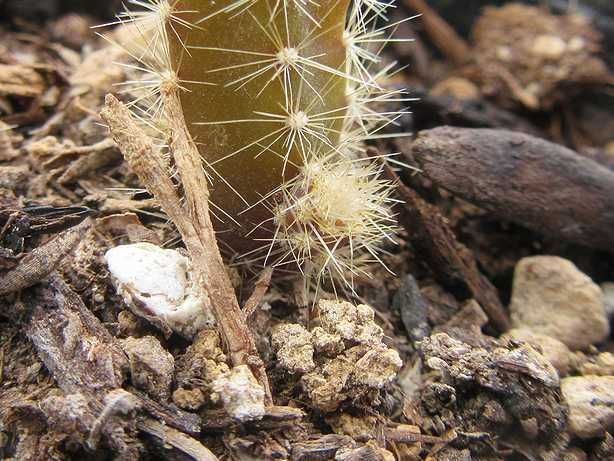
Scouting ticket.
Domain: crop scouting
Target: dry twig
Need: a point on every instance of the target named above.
(444, 37)
(65, 333)
(191, 217)
(176, 439)
(260, 288)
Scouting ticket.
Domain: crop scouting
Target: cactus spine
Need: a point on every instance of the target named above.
(280, 97)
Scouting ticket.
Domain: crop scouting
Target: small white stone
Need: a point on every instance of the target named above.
(549, 46)
(240, 393)
(159, 281)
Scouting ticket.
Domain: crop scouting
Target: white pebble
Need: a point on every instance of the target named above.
(158, 281)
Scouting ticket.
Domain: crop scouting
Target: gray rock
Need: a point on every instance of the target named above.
(552, 297)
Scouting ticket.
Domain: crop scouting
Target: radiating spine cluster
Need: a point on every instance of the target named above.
(280, 96)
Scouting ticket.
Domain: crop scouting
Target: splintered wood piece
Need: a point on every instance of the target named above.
(324, 447)
(75, 347)
(172, 416)
(18, 80)
(260, 288)
(176, 439)
(40, 262)
(535, 183)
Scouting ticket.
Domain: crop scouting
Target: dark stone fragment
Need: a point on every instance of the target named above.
(413, 308)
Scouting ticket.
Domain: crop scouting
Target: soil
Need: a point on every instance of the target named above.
(512, 156)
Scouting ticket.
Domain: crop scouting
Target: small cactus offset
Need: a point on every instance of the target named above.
(280, 97)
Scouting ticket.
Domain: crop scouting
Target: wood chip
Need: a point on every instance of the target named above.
(23, 81)
(40, 262)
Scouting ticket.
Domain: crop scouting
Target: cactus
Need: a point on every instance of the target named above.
(280, 97)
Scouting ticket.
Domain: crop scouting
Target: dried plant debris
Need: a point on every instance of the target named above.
(341, 359)
(151, 366)
(517, 176)
(40, 262)
(201, 364)
(555, 351)
(322, 448)
(204, 377)
(22, 81)
(91, 413)
(526, 55)
(505, 391)
(7, 149)
(369, 451)
(109, 346)
(73, 344)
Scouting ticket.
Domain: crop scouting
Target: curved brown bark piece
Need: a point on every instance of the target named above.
(543, 186)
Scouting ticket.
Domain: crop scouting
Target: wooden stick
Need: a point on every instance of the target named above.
(538, 184)
(176, 439)
(444, 37)
(41, 261)
(191, 218)
(260, 288)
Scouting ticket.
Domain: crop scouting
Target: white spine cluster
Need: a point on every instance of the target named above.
(336, 212)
